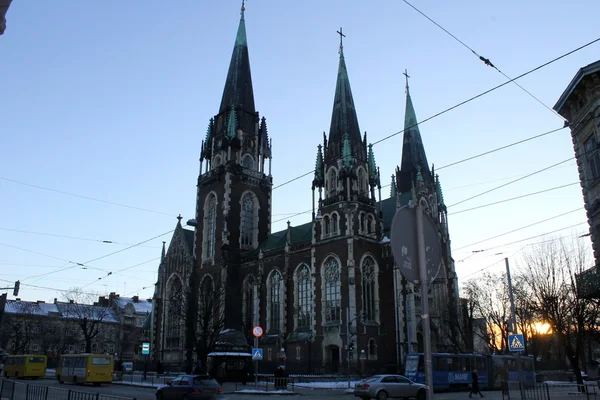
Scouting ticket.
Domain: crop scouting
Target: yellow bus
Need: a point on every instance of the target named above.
(26, 366)
(85, 368)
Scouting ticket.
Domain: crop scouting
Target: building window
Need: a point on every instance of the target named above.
(36, 347)
(248, 220)
(368, 289)
(175, 305)
(334, 223)
(217, 161)
(275, 299)
(82, 348)
(327, 225)
(211, 225)
(333, 295)
(248, 161)
(361, 181)
(71, 348)
(303, 280)
(369, 225)
(35, 329)
(94, 348)
(361, 223)
(332, 181)
(593, 158)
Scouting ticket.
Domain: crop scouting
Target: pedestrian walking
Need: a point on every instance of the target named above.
(475, 384)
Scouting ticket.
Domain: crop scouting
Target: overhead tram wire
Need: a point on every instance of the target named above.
(70, 237)
(520, 228)
(98, 258)
(463, 103)
(84, 197)
(486, 61)
(118, 271)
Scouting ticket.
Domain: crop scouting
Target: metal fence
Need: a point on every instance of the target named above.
(11, 390)
(550, 391)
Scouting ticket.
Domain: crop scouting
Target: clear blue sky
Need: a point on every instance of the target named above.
(111, 100)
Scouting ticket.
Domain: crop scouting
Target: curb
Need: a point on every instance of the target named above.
(272, 393)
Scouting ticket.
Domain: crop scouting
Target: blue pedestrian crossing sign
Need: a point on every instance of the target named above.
(257, 354)
(516, 342)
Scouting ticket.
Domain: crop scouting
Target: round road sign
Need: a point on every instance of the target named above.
(257, 331)
(404, 244)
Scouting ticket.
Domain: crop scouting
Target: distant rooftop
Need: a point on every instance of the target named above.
(583, 72)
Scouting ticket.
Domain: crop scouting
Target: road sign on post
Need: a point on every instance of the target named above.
(257, 354)
(145, 348)
(257, 331)
(515, 342)
(418, 254)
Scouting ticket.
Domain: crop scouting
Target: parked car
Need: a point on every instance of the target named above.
(387, 386)
(190, 387)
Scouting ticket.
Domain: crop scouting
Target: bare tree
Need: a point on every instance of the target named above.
(202, 312)
(87, 316)
(21, 325)
(456, 327)
(489, 297)
(549, 271)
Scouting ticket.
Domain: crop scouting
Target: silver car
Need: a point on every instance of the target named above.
(383, 386)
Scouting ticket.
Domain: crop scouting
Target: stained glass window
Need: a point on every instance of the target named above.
(368, 289)
(303, 280)
(248, 220)
(333, 295)
(275, 289)
(211, 224)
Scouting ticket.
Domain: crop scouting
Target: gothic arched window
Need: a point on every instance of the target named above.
(369, 225)
(326, 225)
(174, 315)
(361, 181)
(248, 226)
(248, 161)
(275, 298)
(333, 181)
(334, 223)
(210, 212)
(304, 301)
(333, 293)
(369, 298)
(372, 349)
(217, 161)
(206, 300)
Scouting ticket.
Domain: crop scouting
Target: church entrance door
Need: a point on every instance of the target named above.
(335, 359)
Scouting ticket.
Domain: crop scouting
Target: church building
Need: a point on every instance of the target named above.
(326, 293)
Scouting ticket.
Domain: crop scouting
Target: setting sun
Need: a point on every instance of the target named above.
(543, 328)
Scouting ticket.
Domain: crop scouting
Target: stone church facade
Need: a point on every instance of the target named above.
(314, 288)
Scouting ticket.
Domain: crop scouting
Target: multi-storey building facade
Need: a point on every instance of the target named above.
(580, 106)
(306, 284)
(116, 326)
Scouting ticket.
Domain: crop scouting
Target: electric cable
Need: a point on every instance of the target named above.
(486, 61)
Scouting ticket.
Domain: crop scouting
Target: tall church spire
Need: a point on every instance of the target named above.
(238, 87)
(414, 161)
(343, 118)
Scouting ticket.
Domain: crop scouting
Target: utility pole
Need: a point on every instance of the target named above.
(513, 317)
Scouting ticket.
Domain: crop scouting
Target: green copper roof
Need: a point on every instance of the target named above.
(319, 180)
(238, 86)
(346, 153)
(413, 151)
(343, 117)
(232, 124)
(209, 134)
(419, 176)
(438, 187)
(393, 187)
(372, 165)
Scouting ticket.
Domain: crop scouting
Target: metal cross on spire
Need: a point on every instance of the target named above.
(342, 36)
(407, 76)
(243, 5)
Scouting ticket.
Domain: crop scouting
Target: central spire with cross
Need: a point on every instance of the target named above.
(407, 76)
(342, 36)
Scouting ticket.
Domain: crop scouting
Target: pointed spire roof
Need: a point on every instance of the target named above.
(393, 187)
(238, 86)
(343, 118)
(232, 124)
(414, 160)
(319, 180)
(347, 159)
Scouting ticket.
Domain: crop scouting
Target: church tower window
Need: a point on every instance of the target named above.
(249, 219)
(327, 225)
(304, 299)
(333, 293)
(250, 303)
(361, 182)
(332, 182)
(248, 161)
(210, 225)
(275, 309)
(335, 223)
(217, 161)
(369, 289)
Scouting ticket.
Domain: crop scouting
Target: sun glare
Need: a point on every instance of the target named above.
(542, 328)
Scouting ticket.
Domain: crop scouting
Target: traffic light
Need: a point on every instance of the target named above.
(351, 346)
(16, 289)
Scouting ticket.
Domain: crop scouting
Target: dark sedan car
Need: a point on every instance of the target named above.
(190, 387)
